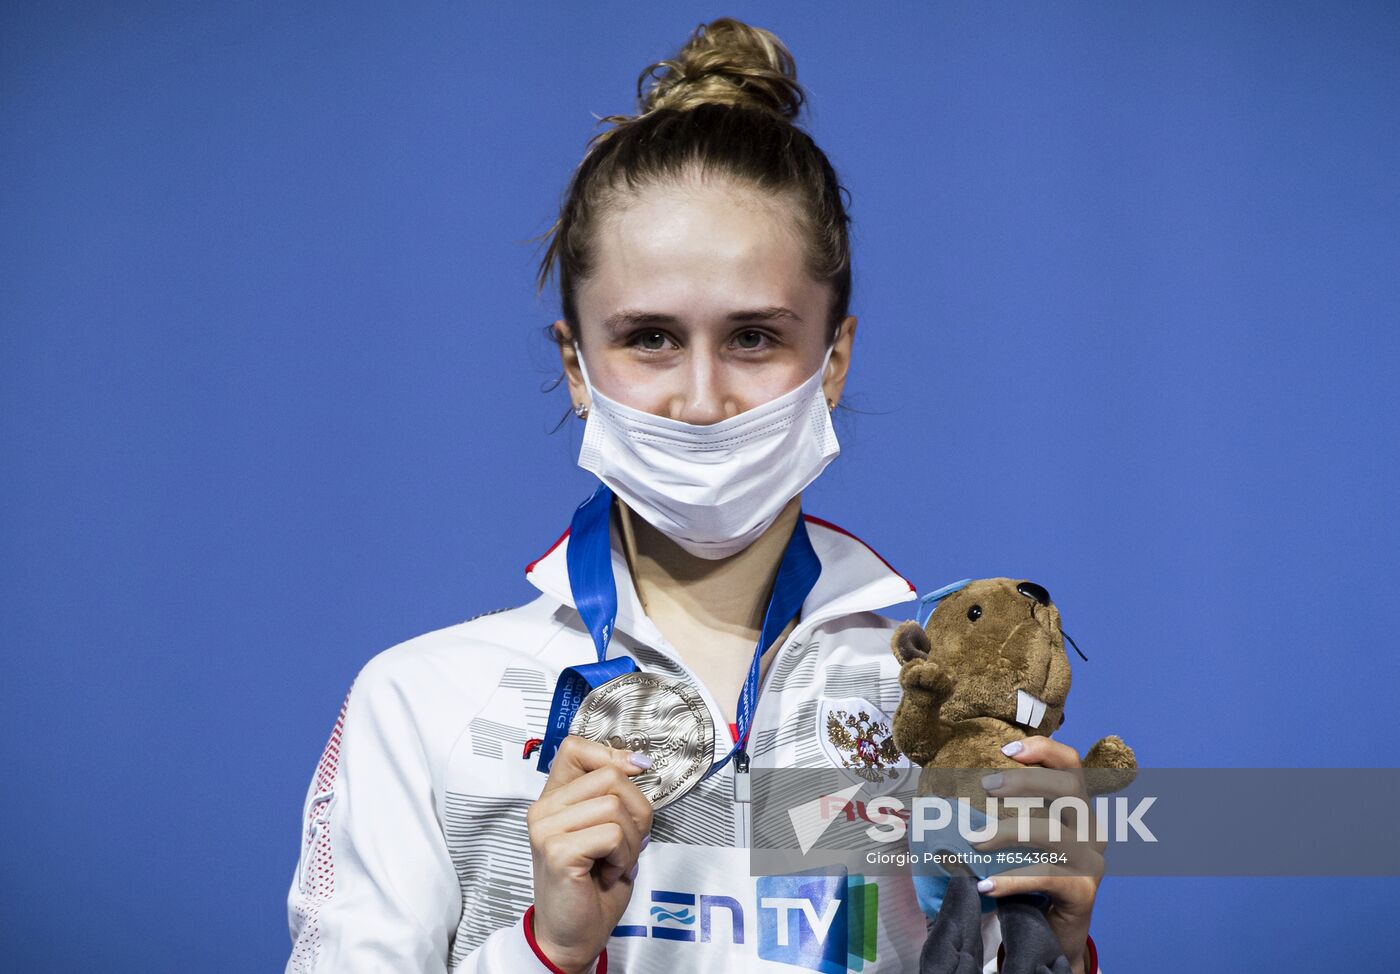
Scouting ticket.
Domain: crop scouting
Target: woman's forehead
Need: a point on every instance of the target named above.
(714, 220)
(698, 250)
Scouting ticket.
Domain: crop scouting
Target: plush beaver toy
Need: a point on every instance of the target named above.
(984, 665)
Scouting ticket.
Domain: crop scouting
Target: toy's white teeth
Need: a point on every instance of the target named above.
(1030, 709)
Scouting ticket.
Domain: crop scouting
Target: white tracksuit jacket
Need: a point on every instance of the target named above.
(415, 855)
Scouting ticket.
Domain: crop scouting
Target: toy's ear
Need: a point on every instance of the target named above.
(910, 643)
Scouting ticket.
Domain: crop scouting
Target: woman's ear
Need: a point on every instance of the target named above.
(568, 356)
(840, 362)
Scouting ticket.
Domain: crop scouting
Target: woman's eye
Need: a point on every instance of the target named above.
(750, 339)
(652, 341)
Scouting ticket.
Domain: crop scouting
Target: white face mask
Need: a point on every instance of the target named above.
(712, 489)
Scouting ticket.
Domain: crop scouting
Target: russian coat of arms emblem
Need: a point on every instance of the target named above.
(858, 738)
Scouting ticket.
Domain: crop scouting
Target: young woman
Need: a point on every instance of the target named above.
(704, 270)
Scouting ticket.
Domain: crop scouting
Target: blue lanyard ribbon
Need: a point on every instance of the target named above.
(591, 579)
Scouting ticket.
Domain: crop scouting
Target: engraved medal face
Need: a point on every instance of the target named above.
(667, 721)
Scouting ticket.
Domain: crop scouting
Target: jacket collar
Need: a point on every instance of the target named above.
(854, 578)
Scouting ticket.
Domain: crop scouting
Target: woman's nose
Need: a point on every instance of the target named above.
(703, 400)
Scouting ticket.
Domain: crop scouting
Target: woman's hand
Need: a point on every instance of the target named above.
(1071, 886)
(586, 830)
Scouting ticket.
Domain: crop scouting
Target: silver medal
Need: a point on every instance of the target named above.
(667, 721)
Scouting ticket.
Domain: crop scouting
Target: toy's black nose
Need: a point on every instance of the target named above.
(1033, 591)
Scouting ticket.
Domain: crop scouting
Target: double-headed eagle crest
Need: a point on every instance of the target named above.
(866, 747)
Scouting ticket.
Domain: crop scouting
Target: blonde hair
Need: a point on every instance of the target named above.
(725, 105)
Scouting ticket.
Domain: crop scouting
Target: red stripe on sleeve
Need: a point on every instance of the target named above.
(529, 923)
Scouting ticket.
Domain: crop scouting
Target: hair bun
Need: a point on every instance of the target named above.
(726, 62)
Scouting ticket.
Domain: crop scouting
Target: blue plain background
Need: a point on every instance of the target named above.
(271, 368)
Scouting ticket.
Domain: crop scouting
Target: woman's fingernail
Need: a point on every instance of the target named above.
(645, 839)
(633, 873)
(1013, 748)
(986, 886)
(993, 781)
(640, 759)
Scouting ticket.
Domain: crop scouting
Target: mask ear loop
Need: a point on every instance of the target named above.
(581, 410)
(826, 360)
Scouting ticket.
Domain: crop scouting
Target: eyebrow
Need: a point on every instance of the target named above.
(624, 320)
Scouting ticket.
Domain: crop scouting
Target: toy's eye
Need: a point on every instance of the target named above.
(974, 613)
(1033, 591)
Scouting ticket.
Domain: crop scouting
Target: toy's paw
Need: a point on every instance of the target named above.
(919, 675)
(926, 681)
(1114, 765)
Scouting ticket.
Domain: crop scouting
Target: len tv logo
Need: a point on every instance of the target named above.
(822, 923)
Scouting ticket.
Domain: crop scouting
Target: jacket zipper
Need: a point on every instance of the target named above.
(743, 784)
(742, 798)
